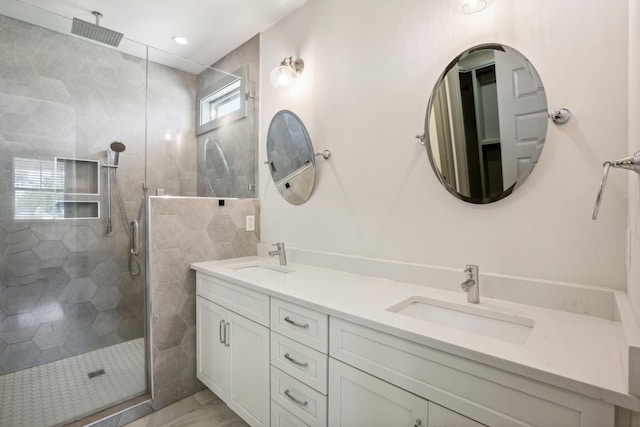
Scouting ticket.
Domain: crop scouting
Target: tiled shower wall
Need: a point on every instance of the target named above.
(183, 231)
(232, 151)
(64, 285)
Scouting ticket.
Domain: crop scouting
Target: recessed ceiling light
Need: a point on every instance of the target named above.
(180, 40)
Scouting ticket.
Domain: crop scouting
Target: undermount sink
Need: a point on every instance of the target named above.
(502, 326)
(262, 269)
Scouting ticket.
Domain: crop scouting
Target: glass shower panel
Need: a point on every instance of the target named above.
(72, 317)
(189, 156)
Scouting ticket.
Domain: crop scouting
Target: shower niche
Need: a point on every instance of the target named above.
(62, 188)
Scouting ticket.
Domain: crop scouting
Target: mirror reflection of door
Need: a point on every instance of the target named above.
(486, 123)
(523, 112)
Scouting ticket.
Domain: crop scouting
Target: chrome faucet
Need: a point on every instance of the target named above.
(280, 252)
(472, 284)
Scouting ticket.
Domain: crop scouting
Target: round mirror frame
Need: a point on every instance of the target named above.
(475, 176)
(293, 168)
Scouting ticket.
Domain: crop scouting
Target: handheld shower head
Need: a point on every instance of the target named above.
(117, 147)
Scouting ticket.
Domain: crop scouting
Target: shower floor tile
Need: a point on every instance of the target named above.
(52, 394)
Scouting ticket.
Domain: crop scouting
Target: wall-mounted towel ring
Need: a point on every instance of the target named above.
(560, 116)
(631, 163)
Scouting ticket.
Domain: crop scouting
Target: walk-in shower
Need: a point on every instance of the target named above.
(72, 290)
(84, 126)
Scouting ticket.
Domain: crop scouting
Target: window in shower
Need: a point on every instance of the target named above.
(43, 187)
(221, 102)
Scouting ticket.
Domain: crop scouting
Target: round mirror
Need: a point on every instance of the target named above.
(290, 157)
(486, 123)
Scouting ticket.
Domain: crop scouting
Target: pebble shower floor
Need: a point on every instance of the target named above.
(51, 394)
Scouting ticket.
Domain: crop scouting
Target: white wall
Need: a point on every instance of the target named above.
(370, 67)
(633, 263)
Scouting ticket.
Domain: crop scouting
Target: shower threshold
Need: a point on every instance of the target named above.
(61, 391)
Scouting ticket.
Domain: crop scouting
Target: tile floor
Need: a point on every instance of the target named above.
(199, 410)
(51, 394)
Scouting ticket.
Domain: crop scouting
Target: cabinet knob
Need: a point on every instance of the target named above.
(418, 423)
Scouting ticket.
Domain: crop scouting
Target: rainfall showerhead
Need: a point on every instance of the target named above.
(117, 147)
(95, 31)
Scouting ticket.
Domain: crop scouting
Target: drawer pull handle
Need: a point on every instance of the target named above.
(294, 361)
(294, 400)
(220, 331)
(294, 323)
(418, 423)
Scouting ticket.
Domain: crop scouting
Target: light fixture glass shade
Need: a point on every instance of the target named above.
(285, 75)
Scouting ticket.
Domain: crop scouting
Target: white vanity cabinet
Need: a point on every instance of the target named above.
(233, 350)
(299, 364)
(281, 364)
(453, 385)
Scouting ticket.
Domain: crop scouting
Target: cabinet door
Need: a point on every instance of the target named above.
(357, 399)
(248, 370)
(212, 355)
(443, 417)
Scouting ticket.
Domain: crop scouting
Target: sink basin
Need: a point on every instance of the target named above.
(262, 270)
(502, 326)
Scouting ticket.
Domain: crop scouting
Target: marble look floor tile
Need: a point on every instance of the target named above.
(205, 396)
(201, 409)
(205, 417)
(173, 411)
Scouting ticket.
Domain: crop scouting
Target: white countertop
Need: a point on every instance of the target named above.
(576, 352)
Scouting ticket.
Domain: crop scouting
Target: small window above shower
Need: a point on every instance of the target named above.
(222, 102)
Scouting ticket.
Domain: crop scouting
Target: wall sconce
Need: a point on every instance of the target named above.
(473, 6)
(285, 74)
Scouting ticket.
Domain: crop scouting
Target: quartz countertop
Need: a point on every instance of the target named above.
(575, 352)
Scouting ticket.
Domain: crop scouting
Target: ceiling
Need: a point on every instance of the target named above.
(213, 27)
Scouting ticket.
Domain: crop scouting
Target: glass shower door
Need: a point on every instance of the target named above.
(72, 316)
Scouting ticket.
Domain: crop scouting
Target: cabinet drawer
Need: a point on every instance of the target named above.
(280, 417)
(299, 361)
(301, 324)
(245, 302)
(486, 394)
(298, 398)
